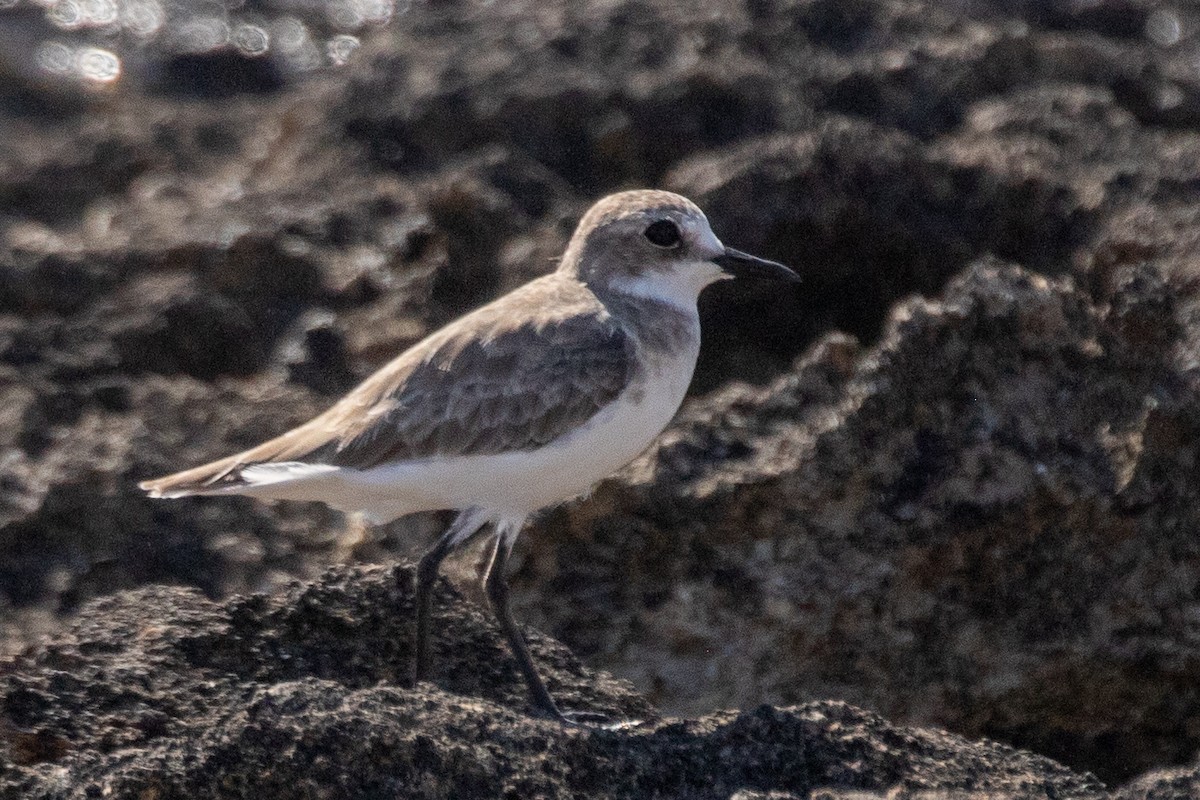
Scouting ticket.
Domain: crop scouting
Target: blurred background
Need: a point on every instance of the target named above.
(952, 477)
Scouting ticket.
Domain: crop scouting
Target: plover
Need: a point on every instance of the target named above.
(519, 405)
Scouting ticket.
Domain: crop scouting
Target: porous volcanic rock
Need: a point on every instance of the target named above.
(985, 522)
(974, 510)
(161, 693)
(1163, 784)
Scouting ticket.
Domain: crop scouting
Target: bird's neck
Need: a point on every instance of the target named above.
(661, 326)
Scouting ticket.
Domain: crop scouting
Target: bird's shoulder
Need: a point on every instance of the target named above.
(513, 375)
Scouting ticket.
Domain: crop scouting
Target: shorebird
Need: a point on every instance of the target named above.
(519, 405)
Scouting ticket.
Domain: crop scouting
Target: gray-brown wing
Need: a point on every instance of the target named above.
(511, 389)
(516, 389)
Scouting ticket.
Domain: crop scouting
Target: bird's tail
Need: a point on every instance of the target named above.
(216, 477)
(228, 476)
(273, 461)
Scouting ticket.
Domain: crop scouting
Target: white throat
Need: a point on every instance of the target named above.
(679, 287)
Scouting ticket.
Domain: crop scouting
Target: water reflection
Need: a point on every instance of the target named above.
(142, 18)
(340, 48)
(251, 40)
(100, 66)
(92, 64)
(96, 36)
(200, 35)
(295, 45)
(1163, 27)
(66, 15)
(73, 14)
(55, 57)
(354, 14)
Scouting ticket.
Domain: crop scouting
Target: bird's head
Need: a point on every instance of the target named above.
(658, 245)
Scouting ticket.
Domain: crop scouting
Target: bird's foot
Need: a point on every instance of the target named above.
(593, 720)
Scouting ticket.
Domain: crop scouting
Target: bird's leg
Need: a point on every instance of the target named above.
(496, 587)
(464, 526)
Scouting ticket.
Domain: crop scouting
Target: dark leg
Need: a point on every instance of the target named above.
(497, 592)
(463, 527)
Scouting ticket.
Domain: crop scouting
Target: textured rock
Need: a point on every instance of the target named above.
(983, 522)
(974, 510)
(1164, 784)
(160, 693)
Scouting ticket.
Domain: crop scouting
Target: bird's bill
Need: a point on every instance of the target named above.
(744, 265)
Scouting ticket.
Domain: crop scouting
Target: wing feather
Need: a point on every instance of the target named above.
(517, 390)
(464, 391)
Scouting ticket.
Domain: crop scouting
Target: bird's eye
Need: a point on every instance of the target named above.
(663, 233)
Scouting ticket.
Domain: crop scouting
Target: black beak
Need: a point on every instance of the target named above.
(743, 265)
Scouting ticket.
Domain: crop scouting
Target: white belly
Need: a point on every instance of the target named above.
(509, 485)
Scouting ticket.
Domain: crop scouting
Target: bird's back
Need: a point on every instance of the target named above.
(511, 376)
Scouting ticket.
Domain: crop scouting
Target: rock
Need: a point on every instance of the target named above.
(176, 328)
(321, 362)
(161, 693)
(971, 525)
(972, 508)
(1163, 784)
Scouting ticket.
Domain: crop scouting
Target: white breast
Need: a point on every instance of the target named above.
(512, 485)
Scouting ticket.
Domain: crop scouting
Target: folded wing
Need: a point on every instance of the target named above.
(465, 391)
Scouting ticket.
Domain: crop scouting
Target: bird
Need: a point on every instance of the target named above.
(515, 407)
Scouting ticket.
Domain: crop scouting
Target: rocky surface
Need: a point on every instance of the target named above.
(161, 693)
(1002, 552)
(975, 509)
